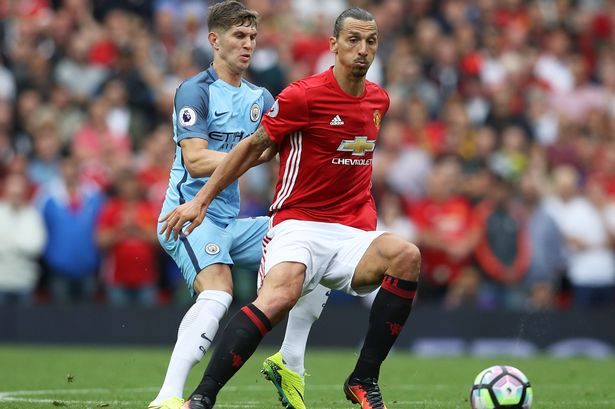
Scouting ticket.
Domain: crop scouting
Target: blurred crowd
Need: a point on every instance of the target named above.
(497, 156)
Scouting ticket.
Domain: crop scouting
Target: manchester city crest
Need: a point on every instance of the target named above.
(212, 248)
(255, 112)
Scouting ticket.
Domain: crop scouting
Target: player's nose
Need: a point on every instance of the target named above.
(363, 48)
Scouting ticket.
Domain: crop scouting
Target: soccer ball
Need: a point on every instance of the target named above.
(500, 387)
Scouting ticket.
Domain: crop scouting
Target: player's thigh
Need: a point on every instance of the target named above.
(350, 250)
(208, 245)
(214, 277)
(387, 254)
(247, 238)
(294, 241)
(280, 290)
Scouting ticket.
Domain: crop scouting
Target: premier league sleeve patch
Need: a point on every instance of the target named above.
(187, 116)
(275, 108)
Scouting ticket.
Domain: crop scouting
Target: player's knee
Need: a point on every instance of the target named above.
(407, 262)
(214, 277)
(276, 305)
(286, 302)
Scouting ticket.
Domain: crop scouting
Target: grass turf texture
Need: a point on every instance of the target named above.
(36, 377)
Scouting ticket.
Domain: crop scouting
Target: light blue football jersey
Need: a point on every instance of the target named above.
(209, 108)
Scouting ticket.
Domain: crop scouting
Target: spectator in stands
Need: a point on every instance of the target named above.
(422, 132)
(511, 159)
(69, 117)
(6, 144)
(29, 101)
(126, 234)
(98, 147)
(70, 209)
(121, 119)
(576, 103)
(547, 251)
(591, 266)
(552, 66)
(7, 82)
(503, 250)
(44, 162)
(21, 242)
(447, 232)
(392, 217)
(75, 72)
(400, 166)
(153, 163)
(406, 81)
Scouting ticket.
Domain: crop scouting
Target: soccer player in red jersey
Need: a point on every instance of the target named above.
(323, 216)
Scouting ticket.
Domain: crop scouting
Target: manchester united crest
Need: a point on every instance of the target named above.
(377, 119)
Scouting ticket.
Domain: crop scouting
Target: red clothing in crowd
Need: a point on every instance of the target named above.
(452, 220)
(133, 260)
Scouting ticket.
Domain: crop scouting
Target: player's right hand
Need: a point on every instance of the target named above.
(190, 212)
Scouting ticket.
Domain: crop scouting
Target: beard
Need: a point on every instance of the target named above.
(359, 72)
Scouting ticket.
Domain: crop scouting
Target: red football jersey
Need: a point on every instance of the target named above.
(327, 140)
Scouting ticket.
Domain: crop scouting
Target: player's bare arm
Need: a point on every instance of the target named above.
(236, 163)
(269, 154)
(199, 160)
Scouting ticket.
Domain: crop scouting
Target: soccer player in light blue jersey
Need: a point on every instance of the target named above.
(213, 111)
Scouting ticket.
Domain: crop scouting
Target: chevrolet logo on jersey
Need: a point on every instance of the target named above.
(358, 146)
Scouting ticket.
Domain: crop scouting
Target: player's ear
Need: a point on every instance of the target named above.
(333, 44)
(213, 39)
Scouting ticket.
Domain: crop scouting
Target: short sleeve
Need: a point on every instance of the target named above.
(267, 101)
(387, 102)
(288, 114)
(191, 107)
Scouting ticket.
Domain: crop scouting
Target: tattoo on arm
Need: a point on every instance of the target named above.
(261, 139)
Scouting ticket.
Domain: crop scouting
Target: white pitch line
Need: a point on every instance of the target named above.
(76, 391)
(25, 396)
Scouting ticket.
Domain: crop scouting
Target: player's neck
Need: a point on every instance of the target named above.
(227, 75)
(348, 83)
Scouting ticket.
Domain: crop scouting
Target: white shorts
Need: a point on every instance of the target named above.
(330, 252)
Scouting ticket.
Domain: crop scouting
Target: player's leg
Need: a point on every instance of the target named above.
(279, 293)
(285, 369)
(300, 320)
(214, 287)
(197, 330)
(395, 264)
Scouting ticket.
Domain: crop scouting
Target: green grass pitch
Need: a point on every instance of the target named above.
(36, 377)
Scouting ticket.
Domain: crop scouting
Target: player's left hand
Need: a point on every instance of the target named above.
(189, 212)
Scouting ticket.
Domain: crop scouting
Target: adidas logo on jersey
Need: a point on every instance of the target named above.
(336, 121)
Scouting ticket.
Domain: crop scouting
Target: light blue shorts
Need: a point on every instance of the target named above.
(238, 244)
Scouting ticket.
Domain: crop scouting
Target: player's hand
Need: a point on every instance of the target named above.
(190, 212)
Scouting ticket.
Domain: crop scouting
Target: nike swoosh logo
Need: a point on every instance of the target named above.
(299, 393)
(216, 113)
(205, 337)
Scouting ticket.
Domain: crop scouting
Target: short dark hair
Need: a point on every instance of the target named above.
(354, 12)
(229, 13)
